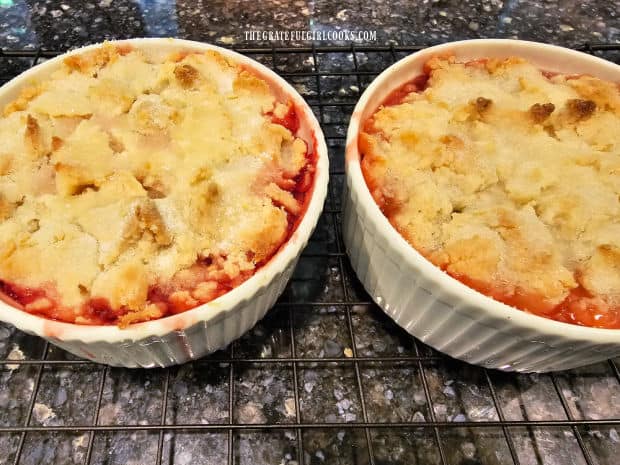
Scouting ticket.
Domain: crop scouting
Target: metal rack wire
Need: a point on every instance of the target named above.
(331, 78)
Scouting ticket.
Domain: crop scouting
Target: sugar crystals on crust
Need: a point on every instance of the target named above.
(509, 179)
(134, 185)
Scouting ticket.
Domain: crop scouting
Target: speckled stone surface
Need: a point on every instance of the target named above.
(324, 312)
(69, 23)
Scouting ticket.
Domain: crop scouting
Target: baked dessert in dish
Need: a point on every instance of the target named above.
(507, 178)
(136, 184)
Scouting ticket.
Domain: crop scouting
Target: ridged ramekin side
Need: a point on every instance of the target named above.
(431, 312)
(187, 344)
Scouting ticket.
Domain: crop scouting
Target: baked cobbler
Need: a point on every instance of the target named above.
(507, 178)
(135, 185)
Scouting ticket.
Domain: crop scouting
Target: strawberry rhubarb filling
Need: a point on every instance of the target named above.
(136, 185)
(508, 179)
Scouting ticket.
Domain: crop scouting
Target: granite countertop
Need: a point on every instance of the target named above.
(399, 391)
(63, 24)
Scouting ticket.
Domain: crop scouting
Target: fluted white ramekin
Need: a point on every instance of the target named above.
(211, 326)
(436, 308)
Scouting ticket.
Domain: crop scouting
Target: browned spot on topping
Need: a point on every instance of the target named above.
(74, 63)
(478, 107)
(452, 141)
(33, 225)
(153, 186)
(610, 251)
(212, 191)
(116, 145)
(32, 126)
(154, 193)
(186, 75)
(84, 187)
(580, 109)
(549, 129)
(83, 289)
(56, 143)
(539, 112)
(33, 134)
(93, 61)
(482, 104)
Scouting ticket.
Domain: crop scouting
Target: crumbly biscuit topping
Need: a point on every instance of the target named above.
(508, 178)
(134, 185)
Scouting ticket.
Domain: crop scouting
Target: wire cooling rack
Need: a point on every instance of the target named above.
(326, 377)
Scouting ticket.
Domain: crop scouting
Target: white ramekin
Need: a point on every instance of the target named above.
(436, 308)
(204, 329)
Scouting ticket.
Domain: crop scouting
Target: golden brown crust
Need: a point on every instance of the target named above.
(158, 165)
(579, 109)
(26, 95)
(56, 143)
(604, 94)
(91, 62)
(539, 112)
(33, 136)
(504, 176)
(186, 75)
(6, 208)
(150, 312)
